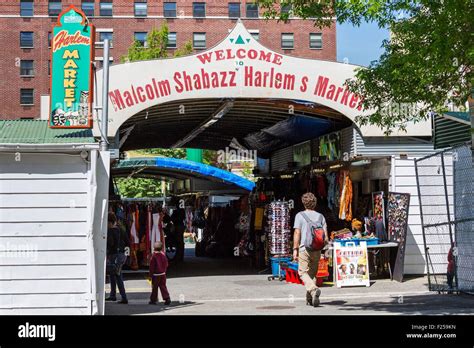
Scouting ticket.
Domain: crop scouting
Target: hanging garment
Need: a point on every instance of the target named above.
(189, 219)
(321, 190)
(148, 245)
(155, 230)
(133, 230)
(345, 208)
(331, 178)
(258, 218)
(134, 240)
(380, 231)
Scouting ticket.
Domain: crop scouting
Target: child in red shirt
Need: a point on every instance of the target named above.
(158, 266)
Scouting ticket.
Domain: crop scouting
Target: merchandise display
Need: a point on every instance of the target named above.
(398, 207)
(278, 228)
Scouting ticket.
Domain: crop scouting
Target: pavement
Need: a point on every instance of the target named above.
(204, 286)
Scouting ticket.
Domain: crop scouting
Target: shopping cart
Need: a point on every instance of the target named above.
(279, 266)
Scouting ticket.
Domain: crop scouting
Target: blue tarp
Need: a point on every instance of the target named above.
(189, 167)
(292, 131)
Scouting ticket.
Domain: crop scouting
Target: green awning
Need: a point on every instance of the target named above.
(458, 116)
(38, 132)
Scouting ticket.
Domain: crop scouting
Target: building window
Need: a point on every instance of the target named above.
(316, 41)
(49, 68)
(50, 38)
(199, 9)
(251, 10)
(285, 9)
(141, 38)
(140, 8)
(287, 41)
(26, 68)
(199, 40)
(172, 40)
(255, 34)
(106, 8)
(234, 9)
(54, 7)
(88, 8)
(26, 96)
(26, 39)
(26, 8)
(169, 9)
(103, 35)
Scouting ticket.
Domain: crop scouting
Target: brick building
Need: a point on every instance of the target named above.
(26, 25)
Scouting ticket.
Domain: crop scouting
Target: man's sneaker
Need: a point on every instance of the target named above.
(153, 303)
(123, 302)
(309, 298)
(315, 297)
(111, 299)
(167, 302)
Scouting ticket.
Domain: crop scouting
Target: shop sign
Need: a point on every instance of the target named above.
(72, 54)
(351, 266)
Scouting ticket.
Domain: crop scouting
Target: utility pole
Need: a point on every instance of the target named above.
(471, 112)
(104, 144)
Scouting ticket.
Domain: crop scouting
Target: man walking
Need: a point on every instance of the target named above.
(308, 260)
(117, 241)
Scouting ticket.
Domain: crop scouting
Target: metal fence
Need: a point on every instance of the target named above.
(446, 199)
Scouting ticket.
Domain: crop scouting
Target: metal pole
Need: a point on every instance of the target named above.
(105, 97)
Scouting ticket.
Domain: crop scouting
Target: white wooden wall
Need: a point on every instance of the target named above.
(403, 179)
(45, 207)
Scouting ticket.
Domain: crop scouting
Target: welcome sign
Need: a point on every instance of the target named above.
(72, 54)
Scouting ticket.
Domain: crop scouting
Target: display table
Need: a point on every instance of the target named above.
(384, 251)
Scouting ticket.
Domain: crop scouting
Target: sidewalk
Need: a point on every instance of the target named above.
(255, 295)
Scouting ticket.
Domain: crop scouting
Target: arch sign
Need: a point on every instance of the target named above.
(238, 67)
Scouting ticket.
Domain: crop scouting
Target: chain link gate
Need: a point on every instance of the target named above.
(445, 183)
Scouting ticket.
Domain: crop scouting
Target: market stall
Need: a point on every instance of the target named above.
(354, 217)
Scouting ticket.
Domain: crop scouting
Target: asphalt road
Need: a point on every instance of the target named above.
(202, 286)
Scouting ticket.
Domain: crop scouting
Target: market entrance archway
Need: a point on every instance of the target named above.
(235, 89)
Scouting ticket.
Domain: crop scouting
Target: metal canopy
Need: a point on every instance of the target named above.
(179, 169)
(164, 125)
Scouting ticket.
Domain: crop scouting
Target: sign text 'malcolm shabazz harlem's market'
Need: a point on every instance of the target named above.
(208, 78)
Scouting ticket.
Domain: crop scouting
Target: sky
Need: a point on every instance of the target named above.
(360, 45)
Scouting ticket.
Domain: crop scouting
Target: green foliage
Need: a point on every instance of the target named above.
(185, 50)
(172, 153)
(138, 187)
(156, 46)
(247, 170)
(428, 61)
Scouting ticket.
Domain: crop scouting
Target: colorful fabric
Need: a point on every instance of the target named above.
(259, 218)
(345, 208)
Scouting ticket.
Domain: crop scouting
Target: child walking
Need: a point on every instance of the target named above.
(158, 266)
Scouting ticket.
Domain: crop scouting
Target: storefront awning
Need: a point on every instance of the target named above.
(180, 169)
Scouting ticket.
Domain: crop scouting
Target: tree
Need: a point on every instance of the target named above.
(138, 187)
(172, 153)
(428, 61)
(156, 46)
